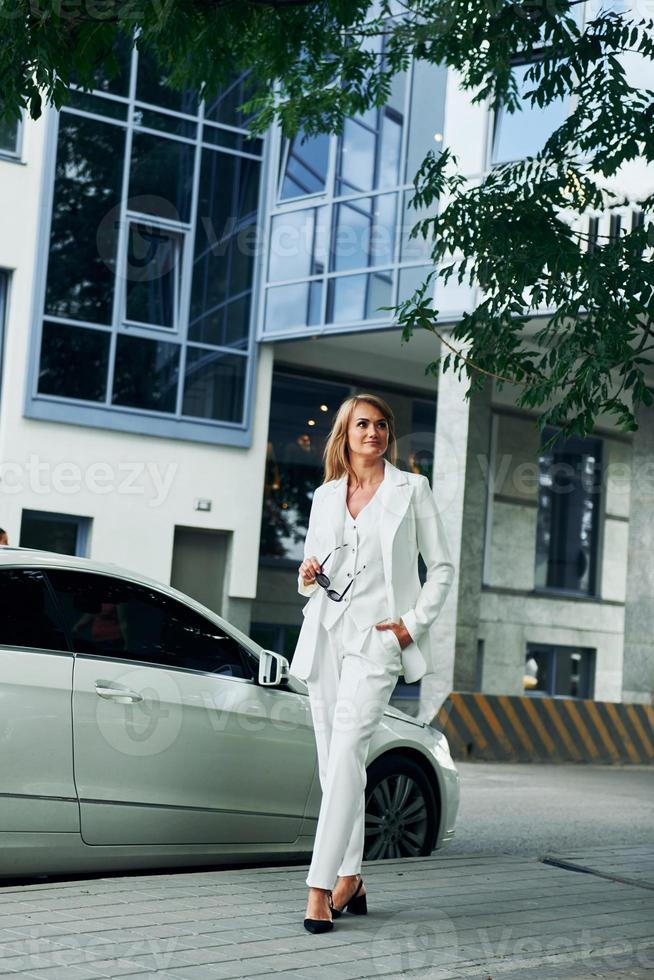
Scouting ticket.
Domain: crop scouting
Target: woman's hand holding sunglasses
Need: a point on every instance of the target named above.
(308, 570)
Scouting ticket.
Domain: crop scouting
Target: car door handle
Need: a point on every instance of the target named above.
(117, 694)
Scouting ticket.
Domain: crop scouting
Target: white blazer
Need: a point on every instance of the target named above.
(409, 524)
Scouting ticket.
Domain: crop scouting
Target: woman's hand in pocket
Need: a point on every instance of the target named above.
(400, 630)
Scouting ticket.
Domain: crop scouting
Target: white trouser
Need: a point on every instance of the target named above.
(348, 692)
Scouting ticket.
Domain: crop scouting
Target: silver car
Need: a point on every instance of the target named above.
(139, 729)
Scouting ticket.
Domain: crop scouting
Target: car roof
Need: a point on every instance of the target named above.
(14, 557)
(27, 557)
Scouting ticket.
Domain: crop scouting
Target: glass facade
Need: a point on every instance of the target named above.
(338, 246)
(151, 255)
(567, 527)
(301, 413)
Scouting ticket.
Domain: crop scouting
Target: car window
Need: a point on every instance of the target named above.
(28, 616)
(110, 617)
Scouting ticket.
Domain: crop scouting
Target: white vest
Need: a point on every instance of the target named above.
(366, 601)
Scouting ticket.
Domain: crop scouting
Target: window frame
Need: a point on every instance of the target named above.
(553, 651)
(83, 524)
(597, 540)
(16, 155)
(104, 414)
(281, 176)
(180, 235)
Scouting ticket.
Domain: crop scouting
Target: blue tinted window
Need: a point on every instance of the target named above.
(364, 232)
(354, 298)
(298, 244)
(296, 305)
(305, 165)
(521, 134)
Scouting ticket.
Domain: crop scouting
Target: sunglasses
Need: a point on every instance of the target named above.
(324, 581)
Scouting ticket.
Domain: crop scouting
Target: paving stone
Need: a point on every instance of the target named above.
(435, 918)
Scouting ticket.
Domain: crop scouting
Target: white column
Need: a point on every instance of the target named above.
(459, 484)
(638, 661)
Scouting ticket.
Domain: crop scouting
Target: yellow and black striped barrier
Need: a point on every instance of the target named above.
(542, 729)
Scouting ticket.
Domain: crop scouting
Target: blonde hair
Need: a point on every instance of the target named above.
(336, 455)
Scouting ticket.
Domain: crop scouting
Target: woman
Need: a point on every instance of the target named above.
(368, 522)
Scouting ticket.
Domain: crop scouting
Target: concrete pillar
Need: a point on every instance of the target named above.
(461, 455)
(638, 660)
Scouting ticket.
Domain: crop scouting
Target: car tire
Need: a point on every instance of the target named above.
(401, 810)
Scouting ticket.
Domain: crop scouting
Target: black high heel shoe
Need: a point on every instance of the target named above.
(356, 905)
(320, 925)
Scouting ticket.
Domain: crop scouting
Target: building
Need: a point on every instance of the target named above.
(184, 306)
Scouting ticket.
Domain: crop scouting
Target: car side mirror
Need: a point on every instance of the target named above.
(273, 668)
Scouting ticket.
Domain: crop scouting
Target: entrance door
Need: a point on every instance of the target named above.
(199, 560)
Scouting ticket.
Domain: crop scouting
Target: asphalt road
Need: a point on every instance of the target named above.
(528, 809)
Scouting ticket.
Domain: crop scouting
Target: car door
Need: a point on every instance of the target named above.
(37, 790)
(175, 742)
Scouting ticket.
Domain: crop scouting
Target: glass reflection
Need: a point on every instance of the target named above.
(364, 232)
(161, 176)
(82, 256)
(305, 165)
(214, 385)
(74, 362)
(146, 374)
(298, 244)
(369, 152)
(523, 133)
(153, 269)
(296, 305)
(224, 249)
(411, 279)
(152, 87)
(570, 477)
(224, 106)
(354, 298)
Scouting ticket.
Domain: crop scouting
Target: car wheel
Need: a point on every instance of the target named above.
(401, 810)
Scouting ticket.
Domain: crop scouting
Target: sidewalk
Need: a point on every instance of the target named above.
(464, 918)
